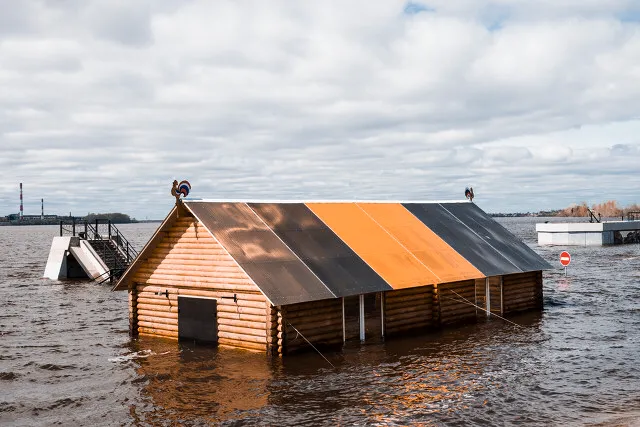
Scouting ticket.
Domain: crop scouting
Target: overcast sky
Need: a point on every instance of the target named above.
(536, 104)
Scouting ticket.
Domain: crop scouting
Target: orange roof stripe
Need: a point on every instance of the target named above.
(447, 264)
(395, 264)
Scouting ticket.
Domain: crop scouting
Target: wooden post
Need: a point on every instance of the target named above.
(272, 329)
(133, 311)
(282, 331)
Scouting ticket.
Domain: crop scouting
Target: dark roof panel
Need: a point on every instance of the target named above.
(497, 236)
(274, 268)
(339, 267)
(461, 238)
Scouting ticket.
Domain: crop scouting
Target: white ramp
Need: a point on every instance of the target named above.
(57, 267)
(88, 260)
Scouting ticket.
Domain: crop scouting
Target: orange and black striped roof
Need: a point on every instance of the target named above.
(299, 252)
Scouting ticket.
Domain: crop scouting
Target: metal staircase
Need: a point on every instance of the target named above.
(108, 243)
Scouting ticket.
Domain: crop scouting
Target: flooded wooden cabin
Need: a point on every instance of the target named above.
(275, 276)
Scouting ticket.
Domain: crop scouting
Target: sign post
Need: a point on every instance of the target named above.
(565, 260)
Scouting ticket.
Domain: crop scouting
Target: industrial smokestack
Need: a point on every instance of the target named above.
(21, 208)
(42, 209)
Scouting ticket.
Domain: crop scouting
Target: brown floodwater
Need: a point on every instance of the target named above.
(66, 357)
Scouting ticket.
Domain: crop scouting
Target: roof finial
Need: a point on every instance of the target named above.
(468, 193)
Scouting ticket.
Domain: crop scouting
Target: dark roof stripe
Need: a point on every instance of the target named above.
(509, 246)
(274, 268)
(462, 239)
(332, 261)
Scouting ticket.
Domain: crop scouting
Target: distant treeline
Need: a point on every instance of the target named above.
(609, 209)
(115, 218)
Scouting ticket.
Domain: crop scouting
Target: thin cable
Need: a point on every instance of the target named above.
(466, 301)
(314, 347)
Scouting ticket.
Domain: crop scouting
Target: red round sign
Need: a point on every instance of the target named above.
(565, 258)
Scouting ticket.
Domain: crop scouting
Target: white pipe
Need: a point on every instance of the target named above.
(344, 324)
(361, 317)
(382, 312)
(488, 296)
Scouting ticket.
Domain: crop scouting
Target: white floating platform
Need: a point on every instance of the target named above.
(71, 257)
(584, 233)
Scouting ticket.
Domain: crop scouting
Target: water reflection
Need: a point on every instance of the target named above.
(436, 375)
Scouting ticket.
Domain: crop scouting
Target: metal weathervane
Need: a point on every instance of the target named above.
(468, 193)
(180, 189)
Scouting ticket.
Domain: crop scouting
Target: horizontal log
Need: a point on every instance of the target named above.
(408, 298)
(182, 255)
(405, 323)
(222, 304)
(259, 332)
(186, 273)
(303, 323)
(251, 346)
(294, 308)
(193, 277)
(253, 296)
(152, 319)
(315, 338)
(245, 317)
(241, 310)
(312, 313)
(157, 307)
(157, 333)
(446, 318)
(206, 267)
(454, 305)
(205, 247)
(168, 239)
(427, 314)
(157, 325)
(242, 337)
(208, 284)
(156, 313)
(407, 328)
(188, 259)
(190, 232)
(312, 331)
(406, 305)
(409, 291)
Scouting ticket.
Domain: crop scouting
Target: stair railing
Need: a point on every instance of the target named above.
(100, 230)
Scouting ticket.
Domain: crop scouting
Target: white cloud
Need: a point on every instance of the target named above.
(104, 103)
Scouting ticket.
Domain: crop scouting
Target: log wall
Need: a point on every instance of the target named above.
(320, 322)
(522, 291)
(408, 310)
(453, 309)
(188, 261)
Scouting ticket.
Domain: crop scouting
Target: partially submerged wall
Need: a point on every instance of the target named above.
(188, 261)
(408, 310)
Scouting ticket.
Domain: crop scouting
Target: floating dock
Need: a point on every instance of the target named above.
(588, 233)
(96, 251)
